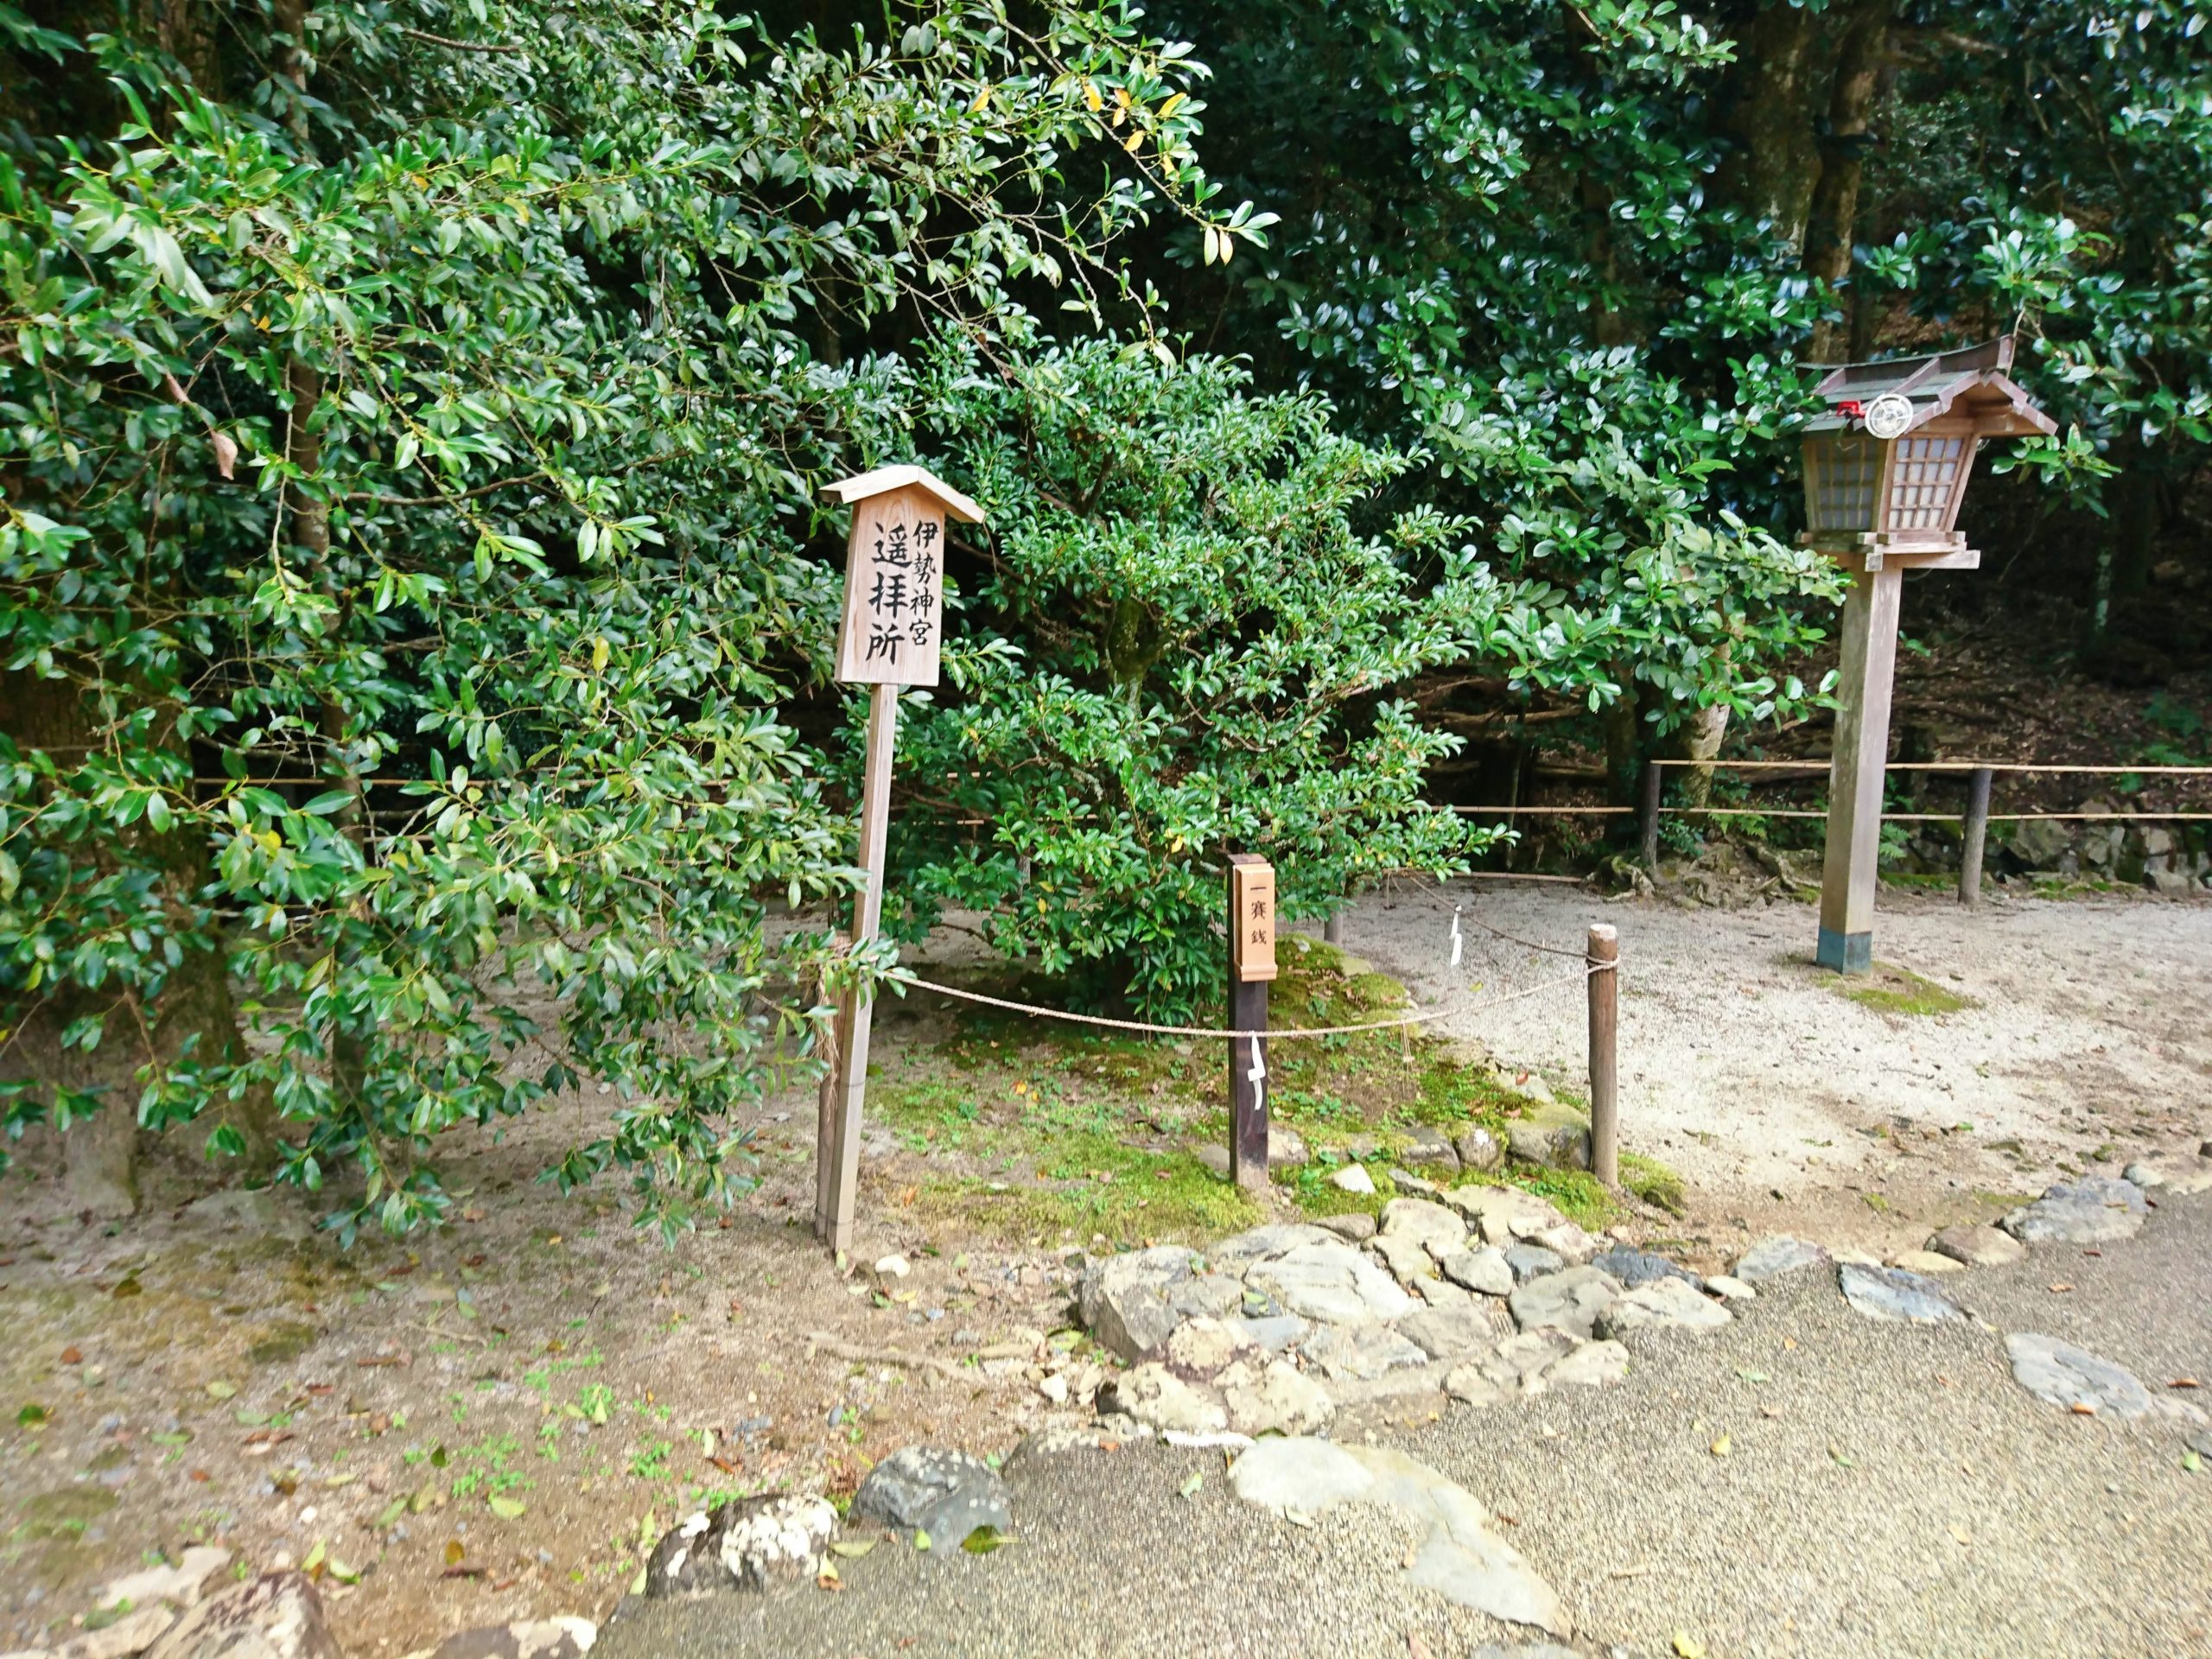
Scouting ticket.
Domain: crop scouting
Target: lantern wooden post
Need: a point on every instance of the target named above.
(889, 637)
(1857, 770)
(1885, 469)
(1251, 967)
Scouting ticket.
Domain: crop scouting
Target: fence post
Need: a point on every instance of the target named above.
(1603, 959)
(1251, 966)
(1977, 837)
(1653, 778)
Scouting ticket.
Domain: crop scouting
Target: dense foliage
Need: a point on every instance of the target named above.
(414, 596)
(448, 416)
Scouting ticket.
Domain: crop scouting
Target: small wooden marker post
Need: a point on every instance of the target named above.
(889, 637)
(1885, 469)
(1604, 956)
(1977, 836)
(1251, 966)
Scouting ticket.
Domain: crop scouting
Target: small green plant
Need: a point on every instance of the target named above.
(1899, 991)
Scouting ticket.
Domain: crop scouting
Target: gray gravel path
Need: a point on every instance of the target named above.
(1887, 1489)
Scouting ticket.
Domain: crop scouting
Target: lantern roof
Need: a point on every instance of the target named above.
(1970, 382)
(883, 479)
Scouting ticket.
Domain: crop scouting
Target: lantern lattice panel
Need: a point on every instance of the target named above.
(1846, 470)
(1923, 478)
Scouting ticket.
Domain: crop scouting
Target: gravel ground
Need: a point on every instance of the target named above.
(1886, 1489)
(1745, 1068)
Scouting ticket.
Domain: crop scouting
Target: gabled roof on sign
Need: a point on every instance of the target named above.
(1970, 382)
(861, 485)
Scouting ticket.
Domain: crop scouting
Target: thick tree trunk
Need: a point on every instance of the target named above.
(1834, 215)
(1700, 740)
(194, 1019)
(1620, 722)
(1781, 86)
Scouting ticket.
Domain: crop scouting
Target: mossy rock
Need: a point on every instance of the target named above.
(283, 1343)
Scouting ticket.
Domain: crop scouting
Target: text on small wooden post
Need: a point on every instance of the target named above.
(1251, 965)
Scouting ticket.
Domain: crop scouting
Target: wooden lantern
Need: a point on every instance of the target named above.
(1885, 468)
(1886, 465)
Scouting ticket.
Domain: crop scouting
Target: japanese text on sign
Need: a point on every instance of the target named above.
(1252, 913)
(894, 591)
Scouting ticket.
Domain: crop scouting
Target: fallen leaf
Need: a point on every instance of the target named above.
(454, 1550)
(2083, 1408)
(2184, 1382)
(983, 1540)
(1962, 1534)
(2061, 1288)
(392, 1511)
(1415, 1648)
(1190, 1488)
(921, 1539)
(2190, 1461)
(71, 1357)
(1748, 1375)
(31, 1417)
(1843, 1457)
(1688, 1646)
(507, 1509)
(1723, 1446)
(852, 1549)
(312, 1566)
(827, 1579)
(220, 1390)
(1790, 1342)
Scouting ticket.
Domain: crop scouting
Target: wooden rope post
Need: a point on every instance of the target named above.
(1604, 958)
(1655, 777)
(1251, 966)
(1977, 837)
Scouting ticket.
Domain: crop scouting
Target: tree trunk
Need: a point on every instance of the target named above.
(1833, 215)
(1702, 734)
(194, 1019)
(1621, 724)
(1781, 84)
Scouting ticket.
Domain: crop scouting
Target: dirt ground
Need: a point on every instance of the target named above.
(2083, 1041)
(496, 1420)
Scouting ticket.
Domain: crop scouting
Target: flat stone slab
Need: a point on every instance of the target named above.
(1361, 1352)
(946, 1493)
(1569, 1300)
(1485, 1271)
(1887, 1293)
(2091, 1211)
(1460, 1559)
(2066, 1376)
(1635, 1267)
(1663, 1305)
(1532, 1261)
(1772, 1257)
(1330, 1283)
(1433, 1226)
(1978, 1247)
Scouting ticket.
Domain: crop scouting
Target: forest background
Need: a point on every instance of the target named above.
(416, 594)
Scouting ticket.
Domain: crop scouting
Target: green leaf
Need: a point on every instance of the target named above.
(507, 1509)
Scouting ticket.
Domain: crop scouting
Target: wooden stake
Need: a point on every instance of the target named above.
(855, 1014)
(1655, 778)
(1251, 882)
(1332, 931)
(1977, 837)
(1603, 956)
(1860, 760)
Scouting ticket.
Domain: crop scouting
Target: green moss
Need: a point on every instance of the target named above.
(1653, 1183)
(1899, 991)
(64, 1513)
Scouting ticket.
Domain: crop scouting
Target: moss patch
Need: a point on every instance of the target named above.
(1653, 1183)
(1898, 990)
(1028, 1126)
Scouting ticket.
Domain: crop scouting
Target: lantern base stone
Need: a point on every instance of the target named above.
(1847, 953)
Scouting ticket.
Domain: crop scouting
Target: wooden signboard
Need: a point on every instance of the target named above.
(889, 637)
(1252, 911)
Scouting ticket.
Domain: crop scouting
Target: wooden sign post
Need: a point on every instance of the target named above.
(1251, 966)
(894, 610)
(1885, 469)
